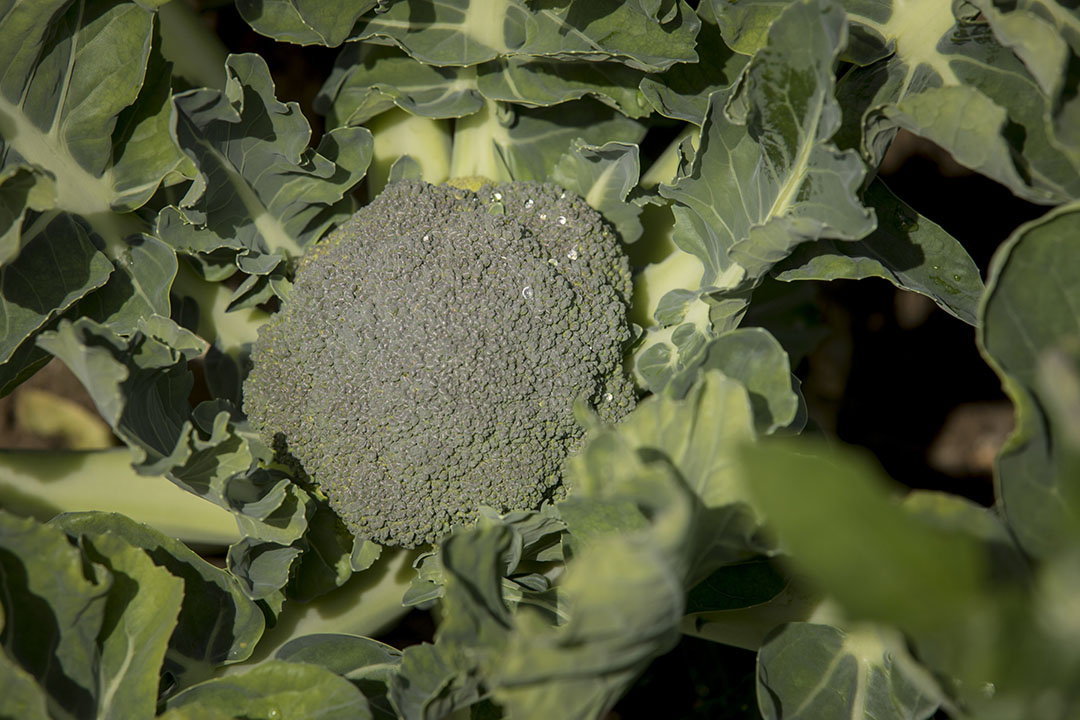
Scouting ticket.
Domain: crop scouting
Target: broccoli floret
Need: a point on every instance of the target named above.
(433, 347)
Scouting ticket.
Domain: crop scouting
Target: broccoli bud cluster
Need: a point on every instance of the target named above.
(433, 347)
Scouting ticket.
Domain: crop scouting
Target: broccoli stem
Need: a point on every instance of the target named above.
(367, 605)
(197, 54)
(666, 167)
(664, 265)
(41, 484)
(425, 140)
(231, 330)
(476, 141)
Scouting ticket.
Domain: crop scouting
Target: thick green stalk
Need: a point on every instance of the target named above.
(232, 330)
(42, 484)
(197, 54)
(476, 139)
(397, 133)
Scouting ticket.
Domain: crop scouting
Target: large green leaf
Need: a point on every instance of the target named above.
(766, 177)
(22, 188)
(696, 433)
(682, 92)
(1029, 323)
(754, 358)
(140, 385)
(907, 249)
(810, 671)
(469, 32)
(89, 118)
(53, 612)
(273, 690)
(368, 79)
(505, 143)
(57, 266)
(215, 622)
(368, 664)
(140, 614)
(835, 516)
(261, 192)
(951, 81)
(306, 22)
(20, 696)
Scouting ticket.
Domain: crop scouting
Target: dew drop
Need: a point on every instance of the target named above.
(529, 203)
(526, 292)
(543, 216)
(608, 397)
(562, 219)
(572, 255)
(497, 195)
(956, 277)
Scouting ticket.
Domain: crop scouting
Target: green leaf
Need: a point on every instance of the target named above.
(771, 179)
(368, 664)
(504, 143)
(435, 680)
(735, 586)
(137, 289)
(273, 690)
(54, 608)
(745, 23)
(305, 22)
(261, 190)
(907, 249)
(695, 432)
(816, 671)
(604, 176)
(1029, 316)
(140, 614)
(217, 623)
(682, 92)
(85, 117)
(581, 668)
(140, 385)
(469, 32)
(369, 79)
(58, 265)
(22, 188)
(834, 515)
(542, 83)
(766, 176)
(20, 696)
(954, 83)
(753, 357)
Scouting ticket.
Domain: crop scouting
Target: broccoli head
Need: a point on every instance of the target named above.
(432, 350)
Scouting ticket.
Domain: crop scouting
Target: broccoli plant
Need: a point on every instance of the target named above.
(478, 317)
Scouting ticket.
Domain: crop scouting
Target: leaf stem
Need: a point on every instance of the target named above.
(42, 484)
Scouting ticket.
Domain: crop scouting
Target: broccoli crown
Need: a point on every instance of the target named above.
(432, 349)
